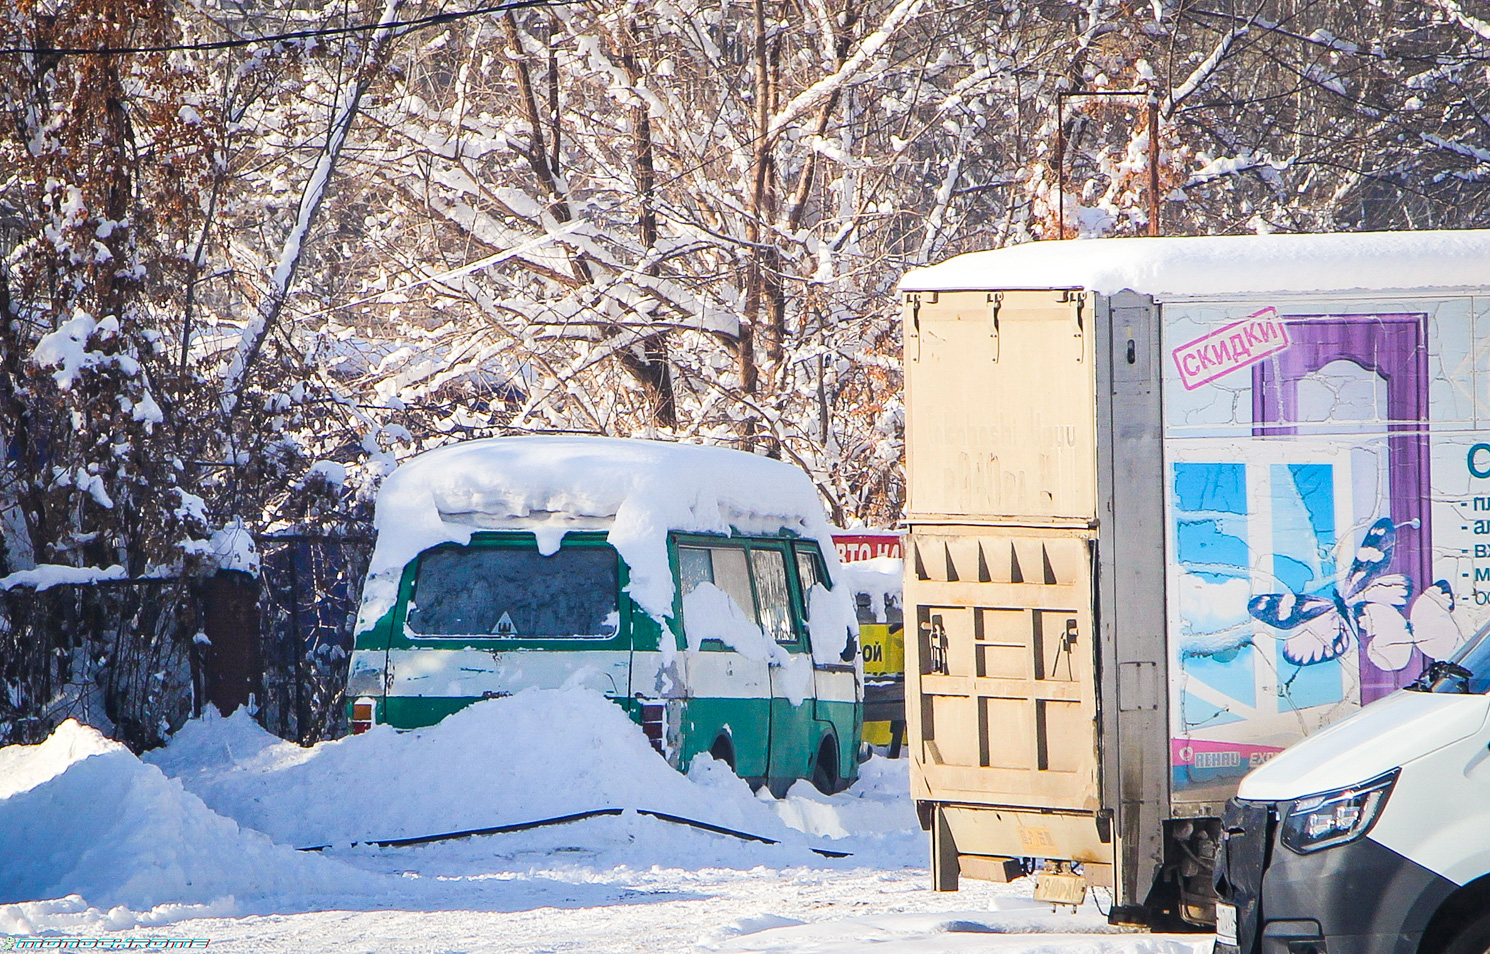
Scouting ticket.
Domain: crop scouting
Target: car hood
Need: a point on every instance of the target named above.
(1384, 735)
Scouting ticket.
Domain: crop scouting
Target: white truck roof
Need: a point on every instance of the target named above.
(634, 490)
(1210, 266)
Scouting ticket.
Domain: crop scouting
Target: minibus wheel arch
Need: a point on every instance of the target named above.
(826, 777)
(723, 749)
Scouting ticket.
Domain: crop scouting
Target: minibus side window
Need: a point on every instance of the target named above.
(694, 567)
(773, 595)
(809, 572)
(732, 574)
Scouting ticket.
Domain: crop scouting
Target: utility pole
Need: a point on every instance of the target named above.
(1153, 162)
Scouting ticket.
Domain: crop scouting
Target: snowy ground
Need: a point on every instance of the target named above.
(198, 840)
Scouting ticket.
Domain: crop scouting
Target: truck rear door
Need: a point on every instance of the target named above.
(1001, 679)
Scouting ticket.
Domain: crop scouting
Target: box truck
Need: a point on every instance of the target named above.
(1174, 504)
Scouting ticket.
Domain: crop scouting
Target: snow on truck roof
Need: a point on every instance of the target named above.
(635, 490)
(1224, 265)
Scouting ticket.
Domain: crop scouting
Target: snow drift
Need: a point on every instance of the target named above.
(92, 837)
(540, 753)
(81, 815)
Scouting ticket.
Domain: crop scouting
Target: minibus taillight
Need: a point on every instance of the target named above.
(652, 723)
(362, 715)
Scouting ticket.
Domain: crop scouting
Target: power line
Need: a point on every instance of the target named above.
(405, 25)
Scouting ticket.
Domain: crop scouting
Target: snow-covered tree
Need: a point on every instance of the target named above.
(240, 278)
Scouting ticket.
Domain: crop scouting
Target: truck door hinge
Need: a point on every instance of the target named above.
(995, 302)
(1080, 332)
(913, 305)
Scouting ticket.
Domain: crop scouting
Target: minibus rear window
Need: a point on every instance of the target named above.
(513, 593)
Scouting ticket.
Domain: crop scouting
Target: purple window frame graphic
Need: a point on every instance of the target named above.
(1394, 347)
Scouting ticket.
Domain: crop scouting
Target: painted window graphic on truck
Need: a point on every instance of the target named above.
(1210, 508)
(1371, 369)
(1238, 527)
(1303, 494)
(1367, 608)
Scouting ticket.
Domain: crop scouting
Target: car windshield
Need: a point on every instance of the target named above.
(1467, 671)
(516, 593)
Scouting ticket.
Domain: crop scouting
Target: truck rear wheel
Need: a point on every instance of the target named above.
(1473, 938)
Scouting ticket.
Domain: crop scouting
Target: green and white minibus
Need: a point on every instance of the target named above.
(693, 585)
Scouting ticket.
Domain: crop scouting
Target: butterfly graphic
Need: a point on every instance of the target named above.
(1366, 606)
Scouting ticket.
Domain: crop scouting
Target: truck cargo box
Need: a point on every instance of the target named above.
(1172, 505)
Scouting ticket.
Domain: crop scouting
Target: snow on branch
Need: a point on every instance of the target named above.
(311, 197)
(814, 95)
(1246, 161)
(1456, 13)
(1206, 69)
(48, 575)
(1458, 148)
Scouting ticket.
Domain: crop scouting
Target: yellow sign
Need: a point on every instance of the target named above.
(883, 648)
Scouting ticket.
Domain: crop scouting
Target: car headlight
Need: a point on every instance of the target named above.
(1335, 818)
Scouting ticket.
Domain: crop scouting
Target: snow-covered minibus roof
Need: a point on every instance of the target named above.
(634, 490)
(1207, 266)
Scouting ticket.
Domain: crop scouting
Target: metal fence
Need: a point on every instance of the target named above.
(116, 654)
(137, 658)
(310, 590)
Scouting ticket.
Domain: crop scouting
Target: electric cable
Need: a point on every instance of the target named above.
(1097, 900)
(574, 817)
(406, 26)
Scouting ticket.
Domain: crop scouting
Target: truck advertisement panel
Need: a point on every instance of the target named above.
(1328, 514)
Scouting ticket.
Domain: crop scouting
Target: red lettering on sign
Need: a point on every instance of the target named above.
(1236, 346)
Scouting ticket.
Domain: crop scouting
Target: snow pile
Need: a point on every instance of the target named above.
(1223, 265)
(94, 839)
(874, 808)
(88, 832)
(712, 614)
(80, 815)
(635, 490)
(538, 754)
(23, 767)
(1006, 929)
